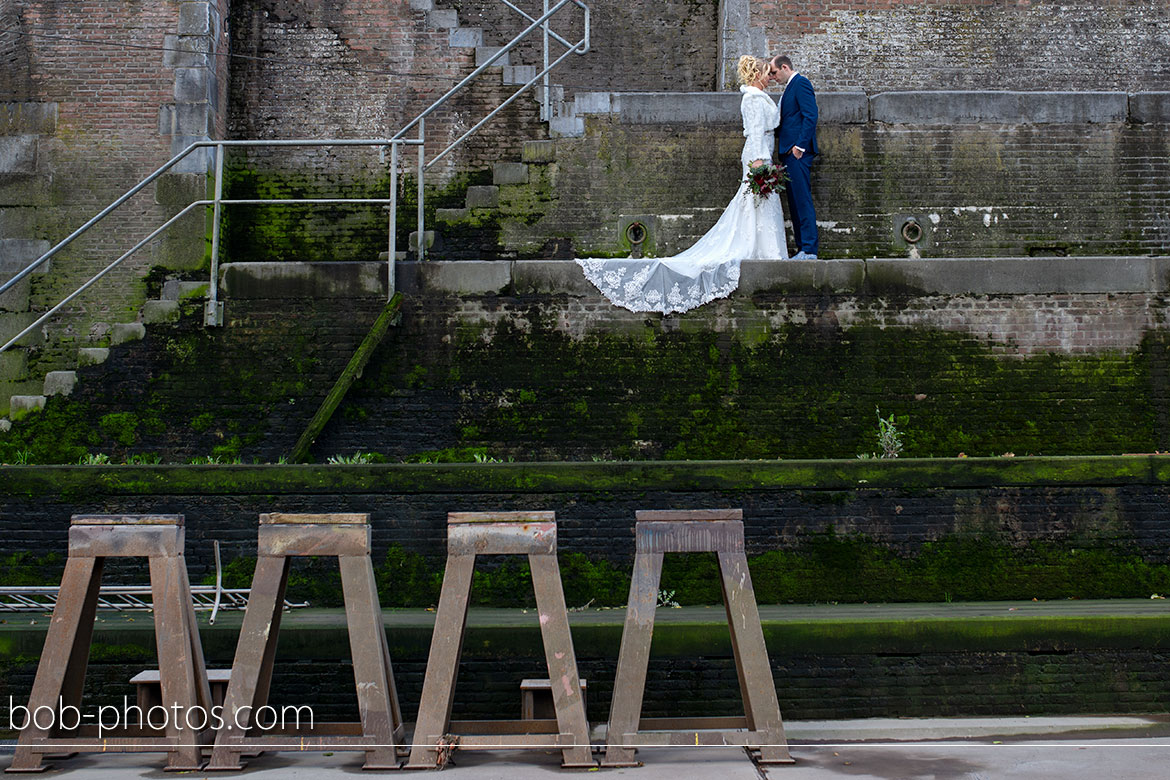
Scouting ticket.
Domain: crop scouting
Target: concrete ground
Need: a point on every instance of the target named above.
(1116, 748)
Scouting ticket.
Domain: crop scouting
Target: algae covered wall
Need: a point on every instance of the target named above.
(780, 370)
(983, 175)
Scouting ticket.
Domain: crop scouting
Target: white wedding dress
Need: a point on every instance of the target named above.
(709, 269)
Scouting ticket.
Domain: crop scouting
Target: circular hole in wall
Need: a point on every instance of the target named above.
(911, 231)
(635, 233)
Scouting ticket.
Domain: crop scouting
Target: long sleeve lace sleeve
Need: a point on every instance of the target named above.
(755, 127)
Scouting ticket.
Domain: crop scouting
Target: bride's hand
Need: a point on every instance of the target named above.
(756, 163)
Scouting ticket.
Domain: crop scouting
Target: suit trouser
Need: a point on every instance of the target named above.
(800, 203)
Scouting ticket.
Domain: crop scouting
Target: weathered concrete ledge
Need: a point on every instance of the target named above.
(853, 629)
(70, 482)
(875, 276)
(915, 108)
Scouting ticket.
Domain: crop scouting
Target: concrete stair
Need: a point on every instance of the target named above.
(33, 394)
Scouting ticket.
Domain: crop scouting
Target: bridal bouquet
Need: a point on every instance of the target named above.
(765, 179)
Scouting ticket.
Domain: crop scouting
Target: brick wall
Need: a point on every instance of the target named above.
(126, 85)
(666, 46)
(971, 44)
(979, 185)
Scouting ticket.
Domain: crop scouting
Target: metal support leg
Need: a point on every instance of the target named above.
(629, 684)
(496, 533)
(761, 728)
(380, 731)
(438, 693)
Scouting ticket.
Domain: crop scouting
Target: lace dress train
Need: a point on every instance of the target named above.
(709, 269)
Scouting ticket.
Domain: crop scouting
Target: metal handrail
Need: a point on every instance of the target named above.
(581, 47)
(217, 202)
(212, 315)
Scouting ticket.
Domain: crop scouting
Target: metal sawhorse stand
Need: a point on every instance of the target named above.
(380, 732)
(61, 672)
(721, 532)
(494, 533)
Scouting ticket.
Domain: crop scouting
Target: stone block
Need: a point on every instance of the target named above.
(17, 253)
(519, 74)
(195, 19)
(696, 108)
(15, 298)
(197, 160)
(192, 119)
(428, 240)
(21, 406)
(60, 382)
(13, 323)
(465, 37)
(485, 53)
(550, 277)
(13, 365)
(175, 290)
(422, 5)
(18, 154)
(566, 126)
(945, 107)
(192, 85)
(836, 276)
(303, 280)
(28, 118)
(186, 51)
(1010, 275)
(483, 196)
(442, 18)
(509, 173)
(154, 312)
(92, 356)
(465, 277)
(1150, 107)
(451, 215)
(843, 108)
(539, 152)
(124, 332)
(5, 425)
(593, 102)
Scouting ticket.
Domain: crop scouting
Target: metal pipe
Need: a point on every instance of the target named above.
(524, 13)
(213, 288)
(41, 320)
(422, 158)
(497, 109)
(547, 102)
(491, 61)
(392, 253)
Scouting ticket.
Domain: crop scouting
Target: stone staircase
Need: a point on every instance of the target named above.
(161, 311)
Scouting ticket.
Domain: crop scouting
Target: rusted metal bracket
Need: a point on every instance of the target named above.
(380, 732)
(493, 533)
(61, 672)
(719, 531)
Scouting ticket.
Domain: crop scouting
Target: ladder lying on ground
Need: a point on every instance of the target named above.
(133, 598)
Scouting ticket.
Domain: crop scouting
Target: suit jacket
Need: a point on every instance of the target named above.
(798, 117)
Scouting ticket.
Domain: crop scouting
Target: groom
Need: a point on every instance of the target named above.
(796, 145)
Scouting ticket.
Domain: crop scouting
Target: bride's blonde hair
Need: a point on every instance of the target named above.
(750, 69)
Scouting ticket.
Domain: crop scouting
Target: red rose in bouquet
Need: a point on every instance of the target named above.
(765, 179)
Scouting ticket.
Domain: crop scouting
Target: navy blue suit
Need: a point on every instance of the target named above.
(798, 127)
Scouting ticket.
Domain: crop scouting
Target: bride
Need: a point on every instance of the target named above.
(747, 229)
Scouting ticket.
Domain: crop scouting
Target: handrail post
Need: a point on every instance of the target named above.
(213, 312)
(392, 249)
(547, 99)
(422, 157)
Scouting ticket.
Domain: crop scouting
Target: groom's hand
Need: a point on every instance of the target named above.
(797, 153)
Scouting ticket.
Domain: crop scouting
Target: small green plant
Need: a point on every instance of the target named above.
(22, 457)
(481, 457)
(889, 437)
(144, 459)
(666, 599)
(357, 457)
(203, 460)
(94, 459)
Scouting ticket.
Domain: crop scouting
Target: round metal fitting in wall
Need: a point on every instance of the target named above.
(911, 231)
(635, 233)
